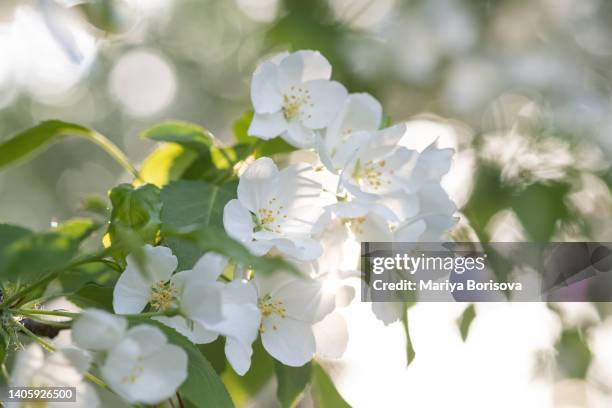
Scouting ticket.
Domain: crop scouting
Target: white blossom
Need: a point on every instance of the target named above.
(293, 96)
(98, 330)
(63, 368)
(276, 209)
(360, 113)
(195, 296)
(240, 323)
(290, 307)
(143, 367)
(137, 363)
(135, 288)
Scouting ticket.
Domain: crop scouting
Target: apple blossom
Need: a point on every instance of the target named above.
(360, 113)
(143, 367)
(290, 307)
(292, 96)
(135, 288)
(276, 209)
(209, 308)
(192, 295)
(63, 368)
(240, 323)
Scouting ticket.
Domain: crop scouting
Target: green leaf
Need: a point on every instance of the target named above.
(488, 197)
(216, 240)
(410, 353)
(166, 163)
(9, 234)
(325, 394)
(135, 218)
(465, 321)
(241, 128)
(93, 295)
(540, 207)
(213, 163)
(35, 139)
(203, 387)
(189, 135)
(189, 203)
(292, 382)
(245, 387)
(28, 256)
(215, 354)
(573, 354)
(274, 146)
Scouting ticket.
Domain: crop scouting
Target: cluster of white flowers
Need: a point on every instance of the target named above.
(136, 363)
(282, 310)
(365, 184)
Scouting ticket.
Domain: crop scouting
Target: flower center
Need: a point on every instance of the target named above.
(294, 100)
(163, 296)
(355, 224)
(371, 173)
(136, 371)
(269, 218)
(269, 307)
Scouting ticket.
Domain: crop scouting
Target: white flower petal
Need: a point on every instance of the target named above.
(259, 248)
(238, 355)
(27, 362)
(298, 135)
(131, 292)
(387, 312)
(241, 316)
(98, 330)
(433, 163)
(265, 94)
(79, 359)
(289, 341)
(202, 302)
(361, 112)
(410, 231)
(194, 331)
(346, 150)
(237, 221)
(254, 184)
(160, 262)
(327, 97)
(302, 249)
(331, 336)
(148, 338)
(209, 267)
(302, 66)
(304, 300)
(143, 368)
(268, 125)
(59, 369)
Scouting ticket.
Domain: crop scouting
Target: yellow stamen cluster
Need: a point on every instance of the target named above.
(136, 371)
(356, 224)
(294, 100)
(268, 217)
(346, 133)
(372, 173)
(163, 296)
(269, 307)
